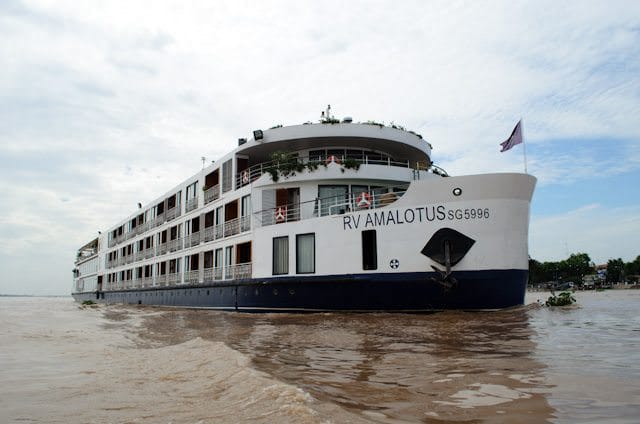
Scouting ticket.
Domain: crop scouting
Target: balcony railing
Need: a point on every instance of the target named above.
(161, 249)
(333, 205)
(232, 227)
(175, 245)
(191, 277)
(173, 278)
(211, 194)
(208, 234)
(161, 280)
(191, 204)
(171, 213)
(251, 174)
(194, 239)
(238, 272)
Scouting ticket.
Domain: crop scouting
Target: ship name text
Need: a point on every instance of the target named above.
(412, 215)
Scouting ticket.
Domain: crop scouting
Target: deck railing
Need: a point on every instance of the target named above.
(332, 205)
(249, 175)
(191, 204)
(211, 194)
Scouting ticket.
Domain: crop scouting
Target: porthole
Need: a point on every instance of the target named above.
(292, 292)
(457, 191)
(275, 292)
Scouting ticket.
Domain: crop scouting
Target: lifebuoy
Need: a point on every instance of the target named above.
(281, 213)
(332, 158)
(245, 177)
(363, 201)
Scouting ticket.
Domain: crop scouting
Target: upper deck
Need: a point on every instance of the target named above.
(401, 145)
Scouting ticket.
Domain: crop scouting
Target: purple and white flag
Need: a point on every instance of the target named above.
(514, 138)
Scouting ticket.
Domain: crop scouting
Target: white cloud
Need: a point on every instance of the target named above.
(108, 104)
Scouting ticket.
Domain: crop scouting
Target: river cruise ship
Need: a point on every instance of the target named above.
(329, 216)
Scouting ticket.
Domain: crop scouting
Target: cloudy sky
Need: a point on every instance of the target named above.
(107, 104)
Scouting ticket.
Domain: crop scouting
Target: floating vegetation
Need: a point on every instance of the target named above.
(88, 302)
(563, 299)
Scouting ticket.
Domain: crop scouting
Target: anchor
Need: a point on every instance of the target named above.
(447, 247)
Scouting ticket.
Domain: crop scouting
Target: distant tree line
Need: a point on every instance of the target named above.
(577, 265)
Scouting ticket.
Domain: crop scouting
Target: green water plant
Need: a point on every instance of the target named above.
(563, 299)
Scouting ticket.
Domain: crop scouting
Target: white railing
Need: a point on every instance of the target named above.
(149, 253)
(175, 245)
(232, 227)
(194, 239)
(245, 223)
(208, 234)
(173, 278)
(334, 205)
(191, 204)
(217, 273)
(211, 194)
(171, 213)
(161, 249)
(238, 271)
(191, 277)
(251, 174)
(161, 280)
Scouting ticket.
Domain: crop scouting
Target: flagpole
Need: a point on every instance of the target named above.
(524, 146)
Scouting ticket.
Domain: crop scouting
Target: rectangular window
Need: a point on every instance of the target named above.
(227, 176)
(280, 255)
(245, 207)
(218, 258)
(306, 253)
(369, 250)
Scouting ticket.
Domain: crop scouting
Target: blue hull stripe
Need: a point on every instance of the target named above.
(494, 289)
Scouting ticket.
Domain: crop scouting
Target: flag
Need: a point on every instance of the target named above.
(514, 138)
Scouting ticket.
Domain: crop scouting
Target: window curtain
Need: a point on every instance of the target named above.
(305, 257)
(281, 255)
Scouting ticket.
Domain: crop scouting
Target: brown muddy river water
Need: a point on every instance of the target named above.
(60, 363)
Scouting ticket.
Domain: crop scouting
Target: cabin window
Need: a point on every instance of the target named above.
(280, 255)
(306, 253)
(369, 250)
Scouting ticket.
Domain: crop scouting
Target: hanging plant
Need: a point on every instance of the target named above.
(284, 164)
(350, 163)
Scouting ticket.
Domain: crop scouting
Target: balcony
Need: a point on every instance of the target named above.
(211, 194)
(192, 277)
(161, 249)
(208, 234)
(175, 245)
(192, 204)
(232, 227)
(171, 214)
(238, 271)
(173, 279)
(194, 239)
